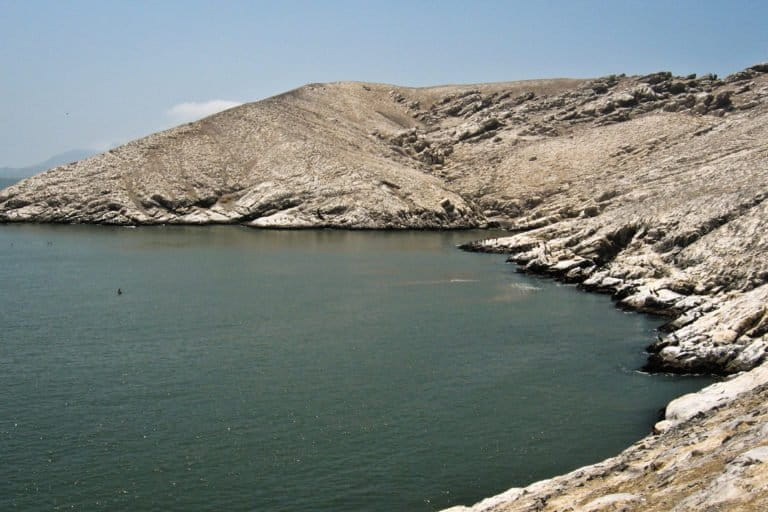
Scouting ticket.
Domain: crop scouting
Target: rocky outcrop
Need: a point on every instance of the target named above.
(674, 224)
(650, 188)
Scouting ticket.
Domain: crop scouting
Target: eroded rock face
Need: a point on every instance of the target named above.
(666, 213)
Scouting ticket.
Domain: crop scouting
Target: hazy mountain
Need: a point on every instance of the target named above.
(62, 158)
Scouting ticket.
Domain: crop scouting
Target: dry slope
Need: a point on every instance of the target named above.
(320, 155)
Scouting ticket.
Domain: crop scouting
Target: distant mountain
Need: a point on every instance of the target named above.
(56, 160)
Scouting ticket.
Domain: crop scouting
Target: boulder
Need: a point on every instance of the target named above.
(625, 99)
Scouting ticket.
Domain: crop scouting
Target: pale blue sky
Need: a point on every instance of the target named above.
(91, 74)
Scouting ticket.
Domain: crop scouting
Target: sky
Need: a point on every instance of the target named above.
(91, 75)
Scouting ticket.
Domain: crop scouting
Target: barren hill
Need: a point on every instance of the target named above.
(321, 155)
(650, 188)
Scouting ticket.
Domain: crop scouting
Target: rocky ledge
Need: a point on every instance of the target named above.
(651, 188)
(709, 455)
(710, 451)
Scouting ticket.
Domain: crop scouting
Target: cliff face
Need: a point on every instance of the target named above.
(650, 188)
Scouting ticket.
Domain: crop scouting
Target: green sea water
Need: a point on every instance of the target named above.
(300, 370)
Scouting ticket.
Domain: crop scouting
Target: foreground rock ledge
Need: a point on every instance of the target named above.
(710, 454)
(651, 188)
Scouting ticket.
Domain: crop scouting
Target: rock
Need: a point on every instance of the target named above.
(757, 455)
(749, 357)
(740, 76)
(704, 98)
(606, 107)
(611, 282)
(701, 108)
(724, 336)
(291, 218)
(651, 300)
(612, 502)
(671, 106)
(447, 205)
(723, 100)
(644, 93)
(624, 99)
(564, 266)
(687, 101)
(473, 130)
(687, 406)
(655, 78)
(607, 196)
(678, 87)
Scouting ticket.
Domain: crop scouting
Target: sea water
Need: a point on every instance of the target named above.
(300, 370)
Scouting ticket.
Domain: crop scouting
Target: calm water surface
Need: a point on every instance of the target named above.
(313, 370)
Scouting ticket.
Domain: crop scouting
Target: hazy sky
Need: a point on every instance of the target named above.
(93, 74)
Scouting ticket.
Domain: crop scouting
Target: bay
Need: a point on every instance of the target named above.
(300, 370)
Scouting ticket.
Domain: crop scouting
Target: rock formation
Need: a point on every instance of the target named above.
(650, 188)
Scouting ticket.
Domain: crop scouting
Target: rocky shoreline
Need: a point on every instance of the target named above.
(709, 450)
(717, 333)
(711, 458)
(650, 188)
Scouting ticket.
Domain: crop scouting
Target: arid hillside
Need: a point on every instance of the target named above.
(378, 156)
(322, 155)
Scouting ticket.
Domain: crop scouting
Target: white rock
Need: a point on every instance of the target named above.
(611, 502)
(720, 393)
(290, 218)
(750, 356)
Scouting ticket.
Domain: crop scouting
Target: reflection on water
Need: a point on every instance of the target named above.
(513, 292)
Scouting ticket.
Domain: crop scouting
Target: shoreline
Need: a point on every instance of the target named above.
(699, 454)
